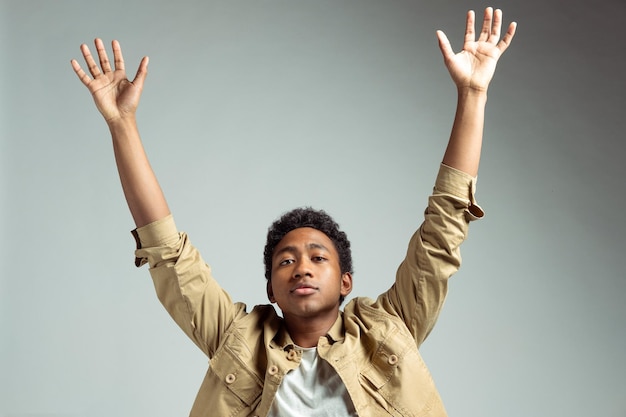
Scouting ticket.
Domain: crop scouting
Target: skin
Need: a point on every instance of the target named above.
(307, 284)
(309, 316)
(117, 99)
(472, 70)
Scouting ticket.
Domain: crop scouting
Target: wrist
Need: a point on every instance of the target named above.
(472, 95)
(472, 91)
(121, 123)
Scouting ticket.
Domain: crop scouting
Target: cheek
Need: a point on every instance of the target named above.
(278, 284)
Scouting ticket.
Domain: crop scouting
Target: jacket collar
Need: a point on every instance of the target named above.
(282, 339)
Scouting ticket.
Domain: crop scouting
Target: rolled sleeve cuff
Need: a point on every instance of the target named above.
(158, 233)
(461, 185)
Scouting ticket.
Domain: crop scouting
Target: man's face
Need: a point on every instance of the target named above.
(306, 278)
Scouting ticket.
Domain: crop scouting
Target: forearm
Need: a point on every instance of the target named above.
(433, 254)
(185, 285)
(141, 188)
(464, 146)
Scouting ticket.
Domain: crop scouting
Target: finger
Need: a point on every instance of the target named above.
(117, 56)
(486, 29)
(508, 37)
(91, 64)
(142, 72)
(470, 36)
(496, 25)
(82, 76)
(102, 56)
(444, 45)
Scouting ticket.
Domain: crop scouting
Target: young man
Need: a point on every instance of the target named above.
(317, 360)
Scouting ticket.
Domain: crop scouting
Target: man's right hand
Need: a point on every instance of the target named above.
(116, 97)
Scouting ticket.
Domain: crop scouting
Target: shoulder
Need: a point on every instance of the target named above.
(367, 310)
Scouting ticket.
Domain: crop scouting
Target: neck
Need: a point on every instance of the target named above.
(306, 332)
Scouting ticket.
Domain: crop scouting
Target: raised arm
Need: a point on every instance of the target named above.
(472, 70)
(117, 99)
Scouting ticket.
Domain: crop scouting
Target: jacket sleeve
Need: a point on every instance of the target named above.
(184, 284)
(433, 253)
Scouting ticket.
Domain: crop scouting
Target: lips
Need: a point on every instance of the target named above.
(303, 289)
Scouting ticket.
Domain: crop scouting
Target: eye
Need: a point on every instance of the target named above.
(285, 262)
(318, 258)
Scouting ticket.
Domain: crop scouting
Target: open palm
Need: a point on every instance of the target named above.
(475, 65)
(115, 96)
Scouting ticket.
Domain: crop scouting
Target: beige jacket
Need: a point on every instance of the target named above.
(373, 345)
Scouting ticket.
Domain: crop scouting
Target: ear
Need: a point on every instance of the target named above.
(346, 283)
(270, 291)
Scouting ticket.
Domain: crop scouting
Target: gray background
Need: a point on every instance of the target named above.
(252, 108)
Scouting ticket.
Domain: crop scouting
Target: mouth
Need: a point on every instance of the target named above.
(303, 289)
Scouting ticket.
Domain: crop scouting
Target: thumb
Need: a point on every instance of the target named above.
(444, 45)
(142, 73)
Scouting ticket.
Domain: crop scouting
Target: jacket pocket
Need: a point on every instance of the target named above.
(397, 378)
(230, 387)
(236, 376)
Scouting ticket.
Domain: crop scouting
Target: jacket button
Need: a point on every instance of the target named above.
(292, 355)
(230, 378)
(273, 370)
(392, 360)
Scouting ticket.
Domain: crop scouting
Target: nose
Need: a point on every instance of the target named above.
(302, 269)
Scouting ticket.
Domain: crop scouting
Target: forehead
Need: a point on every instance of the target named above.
(305, 237)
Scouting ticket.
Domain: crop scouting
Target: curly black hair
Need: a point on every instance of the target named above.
(307, 217)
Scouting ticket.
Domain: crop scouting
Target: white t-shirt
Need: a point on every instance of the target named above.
(313, 389)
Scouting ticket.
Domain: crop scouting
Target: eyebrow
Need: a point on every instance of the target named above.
(295, 249)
